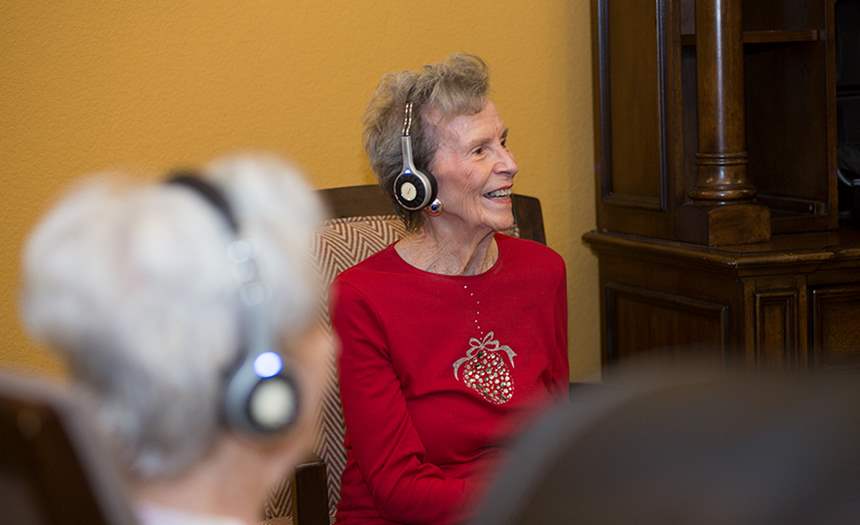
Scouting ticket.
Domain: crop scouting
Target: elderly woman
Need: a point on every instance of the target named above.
(452, 336)
(186, 308)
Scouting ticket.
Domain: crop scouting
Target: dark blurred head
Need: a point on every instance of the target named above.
(689, 446)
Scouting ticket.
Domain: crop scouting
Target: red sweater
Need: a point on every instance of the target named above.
(437, 372)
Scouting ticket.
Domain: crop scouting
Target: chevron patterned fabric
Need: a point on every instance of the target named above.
(342, 243)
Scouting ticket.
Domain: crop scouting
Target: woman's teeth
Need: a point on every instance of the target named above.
(498, 193)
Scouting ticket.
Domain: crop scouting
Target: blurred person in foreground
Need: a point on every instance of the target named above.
(455, 334)
(186, 309)
(688, 443)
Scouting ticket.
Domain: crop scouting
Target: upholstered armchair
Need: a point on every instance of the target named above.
(362, 223)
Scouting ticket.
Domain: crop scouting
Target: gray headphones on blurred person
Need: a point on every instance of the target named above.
(413, 189)
(260, 395)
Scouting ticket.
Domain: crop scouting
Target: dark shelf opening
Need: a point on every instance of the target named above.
(848, 109)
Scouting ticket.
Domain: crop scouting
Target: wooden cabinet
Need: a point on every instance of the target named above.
(715, 119)
(791, 302)
(716, 175)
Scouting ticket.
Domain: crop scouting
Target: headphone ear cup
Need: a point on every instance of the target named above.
(414, 190)
(255, 404)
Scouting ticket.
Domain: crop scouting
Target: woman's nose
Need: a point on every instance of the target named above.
(506, 163)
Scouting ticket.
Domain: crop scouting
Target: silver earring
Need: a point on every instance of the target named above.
(435, 208)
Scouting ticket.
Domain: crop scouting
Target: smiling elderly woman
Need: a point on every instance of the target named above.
(456, 333)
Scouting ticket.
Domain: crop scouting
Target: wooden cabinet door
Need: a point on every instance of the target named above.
(835, 330)
(661, 324)
(776, 317)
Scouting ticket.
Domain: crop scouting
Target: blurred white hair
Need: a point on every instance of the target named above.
(131, 284)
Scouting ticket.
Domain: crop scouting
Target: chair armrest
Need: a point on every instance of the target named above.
(311, 493)
(578, 388)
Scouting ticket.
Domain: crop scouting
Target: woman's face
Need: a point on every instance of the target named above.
(474, 170)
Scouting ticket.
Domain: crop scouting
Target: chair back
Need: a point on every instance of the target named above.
(363, 222)
(52, 469)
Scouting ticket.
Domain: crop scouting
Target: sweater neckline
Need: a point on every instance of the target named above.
(489, 271)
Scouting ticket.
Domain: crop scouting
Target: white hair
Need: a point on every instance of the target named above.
(131, 283)
(457, 86)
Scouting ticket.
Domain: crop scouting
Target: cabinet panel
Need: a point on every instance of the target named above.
(835, 330)
(770, 15)
(640, 320)
(777, 328)
(630, 57)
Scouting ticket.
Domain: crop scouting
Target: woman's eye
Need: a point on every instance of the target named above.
(478, 151)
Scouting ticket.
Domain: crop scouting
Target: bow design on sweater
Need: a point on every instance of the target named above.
(488, 344)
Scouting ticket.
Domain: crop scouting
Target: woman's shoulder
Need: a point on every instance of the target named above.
(528, 251)
(369, 270)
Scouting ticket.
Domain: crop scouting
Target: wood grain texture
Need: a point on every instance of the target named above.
(792, 302)
(724, 224)
(836, 332)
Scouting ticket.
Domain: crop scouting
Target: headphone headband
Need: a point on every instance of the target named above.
(214, 196)
(407, 119)
(260, 394)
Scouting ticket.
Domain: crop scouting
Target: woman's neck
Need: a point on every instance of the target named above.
(449, 251)
(232, 481)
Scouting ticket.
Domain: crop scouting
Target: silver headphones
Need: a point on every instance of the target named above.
(260, 396)
(413, 189)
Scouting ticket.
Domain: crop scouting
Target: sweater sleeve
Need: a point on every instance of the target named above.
(385, 445)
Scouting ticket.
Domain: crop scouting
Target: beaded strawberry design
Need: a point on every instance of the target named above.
(485, 370)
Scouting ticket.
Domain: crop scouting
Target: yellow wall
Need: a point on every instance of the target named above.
(90, 85)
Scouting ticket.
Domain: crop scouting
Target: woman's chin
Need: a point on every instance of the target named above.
(498, 219)
(502, 224)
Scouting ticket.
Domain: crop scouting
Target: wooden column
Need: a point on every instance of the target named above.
(721, 161)
(721, 210)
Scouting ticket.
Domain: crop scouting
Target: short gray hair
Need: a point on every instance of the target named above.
(131, 284)
(457, 86)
